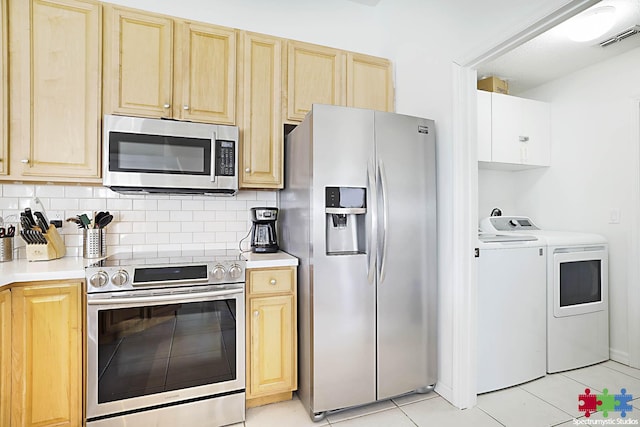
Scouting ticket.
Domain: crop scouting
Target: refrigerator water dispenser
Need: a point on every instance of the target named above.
(345, 209)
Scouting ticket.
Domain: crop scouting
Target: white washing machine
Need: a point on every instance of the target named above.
(511, 310)
(577, 292)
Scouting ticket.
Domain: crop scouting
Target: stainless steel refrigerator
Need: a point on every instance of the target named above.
(359, 211)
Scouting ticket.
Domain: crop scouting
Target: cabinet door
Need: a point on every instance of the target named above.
(506, 128)
(369, 82)
(47, 355)
(260, 115)
(4, 110)
(315, 74)
(536, 130)
(205, 68)
(55, 88)
(138, 63)
(271, 364)
(5, 357)
(484, 125)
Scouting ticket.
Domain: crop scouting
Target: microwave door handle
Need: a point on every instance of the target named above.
(213, 158)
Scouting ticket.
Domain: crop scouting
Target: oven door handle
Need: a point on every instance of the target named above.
(173, 298)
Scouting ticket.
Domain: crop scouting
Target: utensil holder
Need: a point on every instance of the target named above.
(94, 242)
(6, 249)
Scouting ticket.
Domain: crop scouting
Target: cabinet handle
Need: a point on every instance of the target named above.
(185, 107)
(25, 161)
(523, 138)
(256, 313)
(273, 282)
(247, 170)
(167, 105)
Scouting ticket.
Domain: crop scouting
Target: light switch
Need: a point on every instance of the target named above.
(614, 216)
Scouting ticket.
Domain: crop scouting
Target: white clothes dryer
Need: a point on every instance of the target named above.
(577, 292)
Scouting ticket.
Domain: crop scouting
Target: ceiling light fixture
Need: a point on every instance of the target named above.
(591, 24)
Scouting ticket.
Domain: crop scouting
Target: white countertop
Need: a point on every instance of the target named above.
(22, 270)
(276, 259)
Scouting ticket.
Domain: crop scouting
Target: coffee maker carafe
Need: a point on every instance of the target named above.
(263, 232)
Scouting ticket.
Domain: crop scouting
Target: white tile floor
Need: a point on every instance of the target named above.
(549, 401)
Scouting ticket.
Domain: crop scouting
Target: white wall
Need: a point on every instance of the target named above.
(591, 173)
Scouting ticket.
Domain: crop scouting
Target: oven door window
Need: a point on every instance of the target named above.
(132, 152)
(154, 349)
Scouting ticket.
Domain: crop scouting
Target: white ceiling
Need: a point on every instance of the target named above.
(367, 2)
(552, 55)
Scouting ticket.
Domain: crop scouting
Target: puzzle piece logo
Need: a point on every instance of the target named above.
(590, 403)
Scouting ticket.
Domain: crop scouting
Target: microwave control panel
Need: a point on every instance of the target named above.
(225, 158)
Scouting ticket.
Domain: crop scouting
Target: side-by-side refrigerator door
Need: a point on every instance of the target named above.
(344, 372)
(406, 170)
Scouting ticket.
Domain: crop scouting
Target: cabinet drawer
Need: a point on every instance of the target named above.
(271, 280)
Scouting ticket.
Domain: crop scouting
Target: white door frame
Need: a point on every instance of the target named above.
(465, 200)
(633, 287)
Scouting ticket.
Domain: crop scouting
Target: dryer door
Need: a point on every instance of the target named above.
(580, 280)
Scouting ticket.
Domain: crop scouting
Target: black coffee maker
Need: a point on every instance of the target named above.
(263, 232)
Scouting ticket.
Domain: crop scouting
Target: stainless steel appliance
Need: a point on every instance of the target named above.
(165, 340)
(264, 238)
(167, 156)
(359, 211)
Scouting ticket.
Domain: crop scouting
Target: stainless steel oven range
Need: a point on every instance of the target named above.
(165, 340)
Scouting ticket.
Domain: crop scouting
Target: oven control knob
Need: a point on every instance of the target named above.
(235, 271)
(218, 272)
(120, 278)
(99, 279)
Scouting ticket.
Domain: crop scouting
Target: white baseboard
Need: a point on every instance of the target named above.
(619, 356)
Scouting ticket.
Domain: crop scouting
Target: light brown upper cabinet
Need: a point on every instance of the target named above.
(369, 82)
(55, 80)
(4, 110)
(259, 112)
(156, 66)
(322, 75)
(315, 74)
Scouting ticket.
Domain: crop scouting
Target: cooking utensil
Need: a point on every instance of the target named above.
(8, 231)
(104, 221)
(84, 219)
(24, 221)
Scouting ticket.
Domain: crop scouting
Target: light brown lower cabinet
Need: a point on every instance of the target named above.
(272, 352)
(45, 330)
(5, 358)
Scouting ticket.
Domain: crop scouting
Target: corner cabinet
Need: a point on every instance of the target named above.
(513, 133)
(259, 115)
(55, 88)
(46, 328)
(271, 335)
(156, 66)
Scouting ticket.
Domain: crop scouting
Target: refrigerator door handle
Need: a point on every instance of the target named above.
(382, 182)
(373, 217)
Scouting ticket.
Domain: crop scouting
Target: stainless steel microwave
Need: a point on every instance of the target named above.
(168, 156)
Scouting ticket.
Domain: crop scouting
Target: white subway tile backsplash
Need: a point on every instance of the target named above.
(143, 222)
(169, 205)
(49, 191)
(78, 192)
